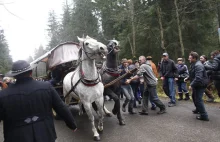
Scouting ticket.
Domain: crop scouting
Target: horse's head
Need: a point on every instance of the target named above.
(113, 47)
(92, 48)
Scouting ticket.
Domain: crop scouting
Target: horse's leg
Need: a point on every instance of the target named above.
(99, 103)
(88, 109)
(107, 112)
(116, 94)
(80, 108)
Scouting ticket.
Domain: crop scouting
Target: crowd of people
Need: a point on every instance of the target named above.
(201, 74)
(37, 99)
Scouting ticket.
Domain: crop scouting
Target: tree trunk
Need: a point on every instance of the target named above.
(129, 40)
(133, 28)
(218, 13)
(179, 29)
(161, 28)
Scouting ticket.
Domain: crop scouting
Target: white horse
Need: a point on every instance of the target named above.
(86, 81)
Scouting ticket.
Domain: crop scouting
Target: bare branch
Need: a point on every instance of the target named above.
(11, 12)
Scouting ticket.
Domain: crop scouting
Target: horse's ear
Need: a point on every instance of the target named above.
(88, 37)
(80, 39)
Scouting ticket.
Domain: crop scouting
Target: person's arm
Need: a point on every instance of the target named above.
(161, 71)
(214, 66)
(138, 75)
(175, 70)
(62, 110)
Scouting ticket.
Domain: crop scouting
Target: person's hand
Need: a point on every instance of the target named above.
(156, 79)
(74, 130)
(176, 79)
(127, 81)
(162, 78)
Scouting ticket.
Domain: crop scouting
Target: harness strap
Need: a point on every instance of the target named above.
(73, 88)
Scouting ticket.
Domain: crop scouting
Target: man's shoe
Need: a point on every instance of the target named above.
(161, 111)
(121, 122)
(186, 99)
(202, 118)
(210, 100)
(171, 105)
(132, 112)
(180, 99)
(143, 113)
(195, 111)
(123, 108)
(153, 108)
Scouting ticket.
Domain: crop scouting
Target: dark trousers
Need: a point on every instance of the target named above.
(151, 93)
(135, 87)
(197, 94)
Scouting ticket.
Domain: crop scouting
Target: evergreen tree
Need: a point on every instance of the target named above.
(53, 31)
(5, 58)
(39, 52)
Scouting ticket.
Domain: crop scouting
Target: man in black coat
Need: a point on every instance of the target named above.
(198, 82)
(169, 73)
(26, 108)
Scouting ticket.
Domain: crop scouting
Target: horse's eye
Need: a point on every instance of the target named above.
(86, 43)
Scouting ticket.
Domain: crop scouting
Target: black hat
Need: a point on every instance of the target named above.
(19, 67)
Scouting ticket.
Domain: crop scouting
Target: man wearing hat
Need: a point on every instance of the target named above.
(169, 74)
(26, 108)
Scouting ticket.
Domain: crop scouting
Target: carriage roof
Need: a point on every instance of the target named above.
(62, 53)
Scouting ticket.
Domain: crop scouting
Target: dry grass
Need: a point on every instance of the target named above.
(162, 94)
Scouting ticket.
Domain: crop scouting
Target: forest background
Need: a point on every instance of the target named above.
(143, 27)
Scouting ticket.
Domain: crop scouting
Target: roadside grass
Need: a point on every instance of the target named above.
(162, 94)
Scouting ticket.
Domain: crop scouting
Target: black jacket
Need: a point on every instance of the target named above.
(214, 67)
(26, 111)
(168, 69)
(197, 75)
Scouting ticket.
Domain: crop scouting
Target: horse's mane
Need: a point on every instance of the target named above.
(79, 55)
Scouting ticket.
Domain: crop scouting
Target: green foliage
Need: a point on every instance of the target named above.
(108, 19)
(5, 58)
(39, 52)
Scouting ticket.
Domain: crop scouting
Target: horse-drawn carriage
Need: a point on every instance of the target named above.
(56, 63)
(81, 77)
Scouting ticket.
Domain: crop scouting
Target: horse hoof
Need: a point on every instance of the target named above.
(97, 138)
(108, 114)
(121, 122)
